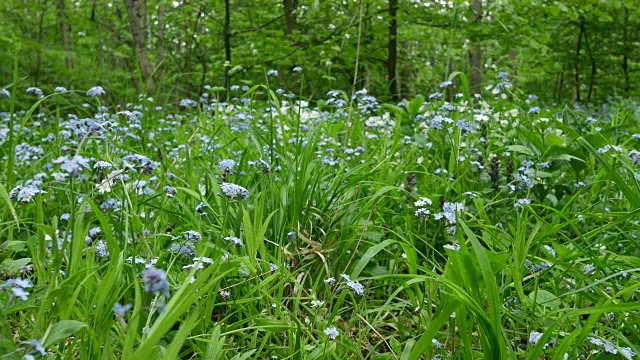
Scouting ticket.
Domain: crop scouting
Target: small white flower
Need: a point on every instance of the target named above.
(551, 251)
(454, 247)
(227, 165)
(534, 337)
(588, 269)
(234, 240)
(357, 288)
(627, 352)
(422, 202)
(608, 347)
(332, 333)
(595, 341)
(95, 91)
(233, 191)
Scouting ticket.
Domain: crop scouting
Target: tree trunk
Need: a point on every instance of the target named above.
(38, 52)
(289, 16)
(392, 56)
(560, 84)
(406, 79)
(451, 70)
(625, 49)
(594, 69)
(577, 60)
(161, 29)
(475, 54)
(513, 59)
(227, 45)
(146, 24)
(191, 40)
(66, 35)
(136, 14)
(100, 46)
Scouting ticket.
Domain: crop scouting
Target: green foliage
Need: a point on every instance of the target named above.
(77, 44)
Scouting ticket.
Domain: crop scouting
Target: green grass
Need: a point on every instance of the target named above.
(563, 265)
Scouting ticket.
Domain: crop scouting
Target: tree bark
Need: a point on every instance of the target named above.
(136, 13)
(514, 63)
(392, 55)
(452, 69)
(475, 54)
(594, 69)
(227, 45)
(38, 52)
(577, 60)
(161, 29)
(625, 49)
(191, 39)
(289, 16)
(66, 34)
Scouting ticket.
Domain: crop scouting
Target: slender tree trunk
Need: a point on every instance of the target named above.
(594, 69)
(38, 52)
(205, 68)
(625, 49)
(513, 59)
(66, 35)
(366, 42)
(161, 31)
(136, 13)
(451, 70)
(392, 56)
(289, 16)
(560, 84)
(227, 45)
(191, 40)
(405, 81)
(100, 48)
(146, 24)
(577, 60)
(475, 54)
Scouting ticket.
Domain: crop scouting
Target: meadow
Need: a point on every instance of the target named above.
(276, 226)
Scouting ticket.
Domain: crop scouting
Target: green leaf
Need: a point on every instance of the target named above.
(414, 106)
(244, 355)
(4, 195)
(545, 298)
(424, 344)
(216, 343)
(10, 266)
(368, 255)
(61, 330)
(521, 149)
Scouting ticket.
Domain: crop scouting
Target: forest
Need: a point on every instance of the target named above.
(320, 179)
(567, 50)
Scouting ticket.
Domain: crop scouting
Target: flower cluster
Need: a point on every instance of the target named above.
(25, 193)
(234, 192)
(155, 281)
(17, 287)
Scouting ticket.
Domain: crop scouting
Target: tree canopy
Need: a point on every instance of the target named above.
(564, 50)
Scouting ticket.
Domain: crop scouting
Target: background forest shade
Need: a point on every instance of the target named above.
(565, 50)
